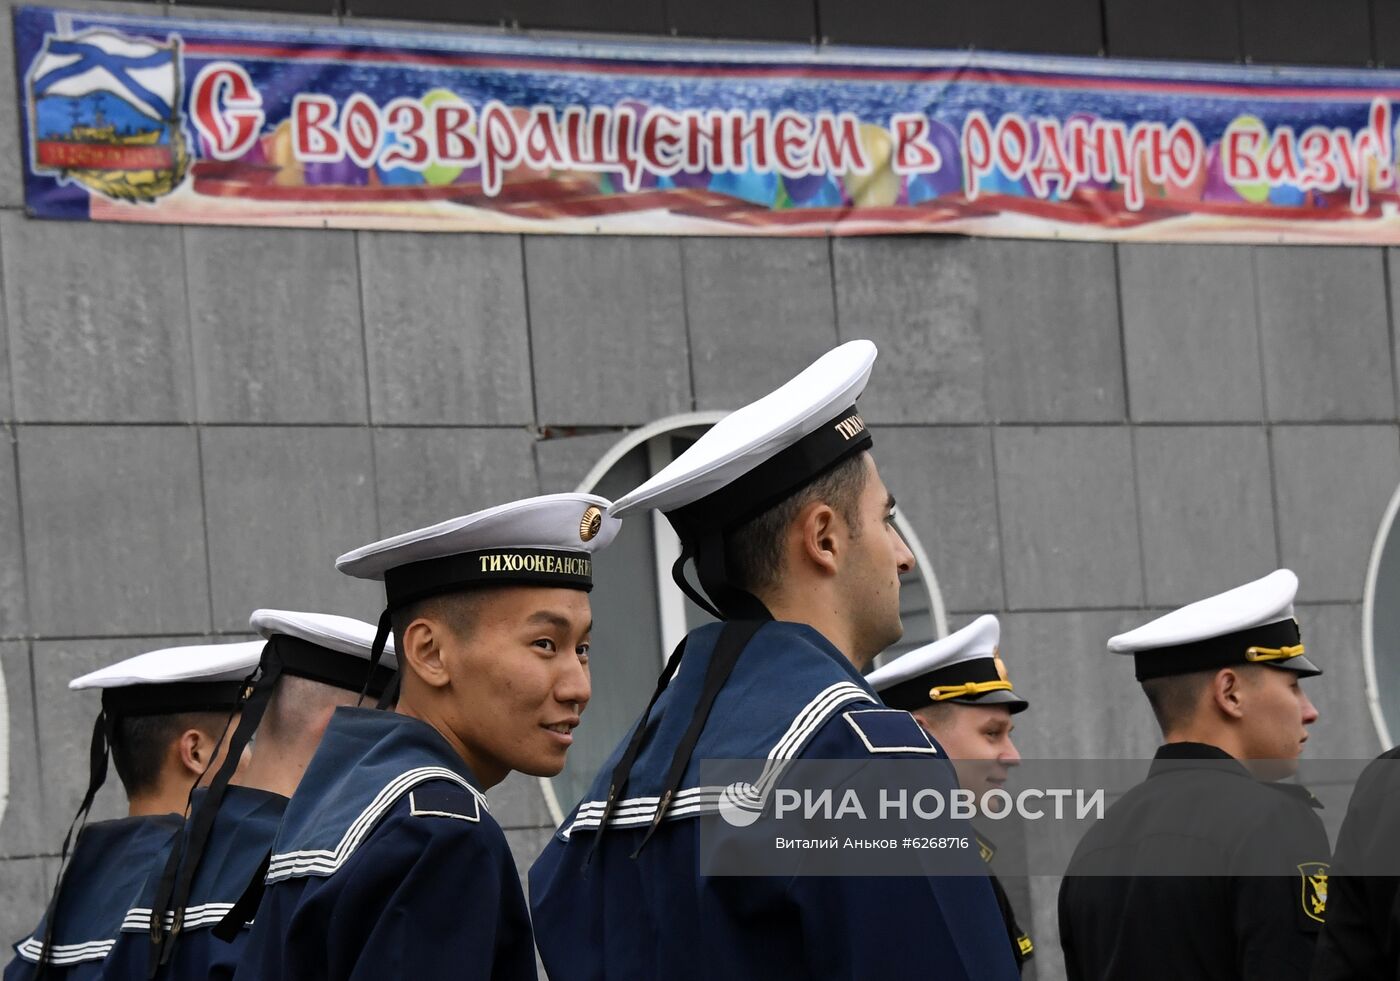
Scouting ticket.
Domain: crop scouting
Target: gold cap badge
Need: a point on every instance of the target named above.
(590, 524)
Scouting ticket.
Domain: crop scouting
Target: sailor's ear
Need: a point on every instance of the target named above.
(1227, 691)
(422, 651)
(194, 749)
(816, 532)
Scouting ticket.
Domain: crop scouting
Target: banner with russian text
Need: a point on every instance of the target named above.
(155, 119)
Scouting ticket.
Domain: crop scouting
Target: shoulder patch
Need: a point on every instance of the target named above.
(890, 731)
(1314, 890)
(446, 800)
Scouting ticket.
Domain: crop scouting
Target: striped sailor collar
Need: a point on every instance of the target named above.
(110, 859)
(789, 683)
(368, 760)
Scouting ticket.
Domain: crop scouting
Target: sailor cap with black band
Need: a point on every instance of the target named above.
(964, 668)
(331, 650)
(751, 460)
(538, 541)
(194, 678)
(1250, 624)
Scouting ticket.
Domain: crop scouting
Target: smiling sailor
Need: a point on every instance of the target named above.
(388, 864)
(310, 664)
(958, 689)
(790, 528)
(163, 719)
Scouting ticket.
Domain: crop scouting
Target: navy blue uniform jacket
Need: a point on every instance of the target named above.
(243, 831)
(104, 876)
(387, 865)
(792, 695)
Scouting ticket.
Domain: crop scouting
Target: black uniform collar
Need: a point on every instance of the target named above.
(1174, 757)
(1182, 756)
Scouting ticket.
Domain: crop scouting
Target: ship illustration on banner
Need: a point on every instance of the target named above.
(105, 113)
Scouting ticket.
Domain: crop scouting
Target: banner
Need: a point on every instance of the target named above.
(154, 119)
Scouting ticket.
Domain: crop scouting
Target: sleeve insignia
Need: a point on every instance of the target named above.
(1314, 890)
(447, 800)
(890, 731)
(986, 849)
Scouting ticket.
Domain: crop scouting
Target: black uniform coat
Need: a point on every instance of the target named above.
(1361, 939)
(1249, 893)
(1022, 947)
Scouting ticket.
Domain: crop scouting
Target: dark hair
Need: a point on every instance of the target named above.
(458, 610)
(1174, 698)
(140, 744)
(755, 549)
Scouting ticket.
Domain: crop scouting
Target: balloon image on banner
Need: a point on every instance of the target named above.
(150, 119)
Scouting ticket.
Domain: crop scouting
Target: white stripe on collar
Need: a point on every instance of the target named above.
(701, 800)
(321, 862)
(139, 920)
(32, 949)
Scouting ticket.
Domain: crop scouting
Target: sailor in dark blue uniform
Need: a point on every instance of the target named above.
(790, 528)
(958, 689)
(163, 718)
(311, 663)
(1210, 869)
(388, 863)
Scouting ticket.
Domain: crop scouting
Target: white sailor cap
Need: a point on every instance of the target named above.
(753, 459)
(1253, 623)
(323, 647)
(786, 438)
(965, 667)
(194, 678)
(540, 541)
(331, 650)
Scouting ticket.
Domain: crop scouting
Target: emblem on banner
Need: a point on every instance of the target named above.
(105, 112)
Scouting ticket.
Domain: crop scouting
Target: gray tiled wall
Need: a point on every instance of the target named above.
(197, 421)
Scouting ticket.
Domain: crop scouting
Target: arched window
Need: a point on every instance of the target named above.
(1381, 627)
(641, 615)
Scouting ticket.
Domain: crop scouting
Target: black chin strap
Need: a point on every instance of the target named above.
(678, 576)
(618, 782)
(744, 614)
(390, 696)
(726, 600)
(246, 905)
(733, 638)
(102, 732)
(376, 654)
(186, 851)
